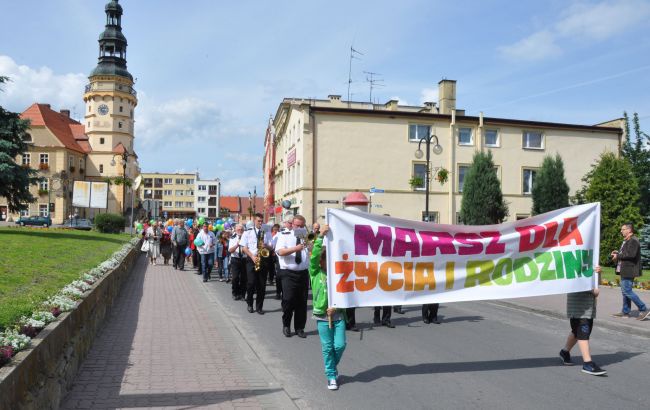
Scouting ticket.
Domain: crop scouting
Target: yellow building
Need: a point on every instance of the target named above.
(101, 149)
(175, 192)
(319, 150)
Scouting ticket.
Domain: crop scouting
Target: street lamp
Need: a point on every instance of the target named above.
(251, 198)
(125, 158)
(437, 149)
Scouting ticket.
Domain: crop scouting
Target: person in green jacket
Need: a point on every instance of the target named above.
(330, 321)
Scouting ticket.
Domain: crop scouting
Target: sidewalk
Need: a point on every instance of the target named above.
(166, 345)
(609, 301)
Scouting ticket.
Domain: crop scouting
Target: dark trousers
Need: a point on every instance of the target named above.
(196, 261)
(256, 283)
(238, 274)
(278, 278)
(351, 314)
(430, 311)
(385, 317)
(294, 298)
(179, 256)
(207, 262)
(270, 263)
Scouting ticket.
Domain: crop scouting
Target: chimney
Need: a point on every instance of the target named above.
(334, 99)
(391, 105)
(66, 113)
(430, 107)
(447, 96)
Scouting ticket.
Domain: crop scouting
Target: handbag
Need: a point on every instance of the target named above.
(145, 246)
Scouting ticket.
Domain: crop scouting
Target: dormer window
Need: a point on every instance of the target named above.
(27, 137)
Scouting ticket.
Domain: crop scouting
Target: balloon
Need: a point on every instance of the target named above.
(199, 242)
(226, 225)
(219, 221)
(210, 227)
(188, 251)
(169, 229)
(201, 220)
(151, 222)
(139, 225)
(188, 223)
(220, 227)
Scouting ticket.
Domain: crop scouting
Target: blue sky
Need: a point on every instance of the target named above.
(210, 73)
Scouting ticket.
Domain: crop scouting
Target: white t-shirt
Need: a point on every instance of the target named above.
(249, 240)
(209, 242)
(287, 239)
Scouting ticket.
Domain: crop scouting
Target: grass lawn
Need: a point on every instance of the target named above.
(36, 263)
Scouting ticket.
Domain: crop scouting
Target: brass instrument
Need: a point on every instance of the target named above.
(262, 252)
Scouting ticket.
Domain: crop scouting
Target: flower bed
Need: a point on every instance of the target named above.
(18, 337)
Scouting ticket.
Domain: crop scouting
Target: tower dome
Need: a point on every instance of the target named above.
(112, 45)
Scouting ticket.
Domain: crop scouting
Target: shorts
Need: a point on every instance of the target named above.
(581, 328)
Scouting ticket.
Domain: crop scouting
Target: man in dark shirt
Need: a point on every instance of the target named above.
(628, 265)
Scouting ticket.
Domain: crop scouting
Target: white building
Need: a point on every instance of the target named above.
(207, 198)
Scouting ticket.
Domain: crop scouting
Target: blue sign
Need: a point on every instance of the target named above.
(374, 190)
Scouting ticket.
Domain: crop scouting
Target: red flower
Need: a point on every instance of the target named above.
(6, 352)
(56, 311)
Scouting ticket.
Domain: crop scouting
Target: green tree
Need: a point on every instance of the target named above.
(612, 183)
(14, 178)
(550, 189)
(482, 202)
(636, 149)
(644, 238)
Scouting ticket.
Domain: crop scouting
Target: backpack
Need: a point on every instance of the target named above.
(181, 236)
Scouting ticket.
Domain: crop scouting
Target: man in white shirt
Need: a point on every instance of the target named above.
(206, 250)
(256, 279)
(237, 263)
(294, 262)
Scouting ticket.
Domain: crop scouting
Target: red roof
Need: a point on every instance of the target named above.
(240, 204)
(64, 128)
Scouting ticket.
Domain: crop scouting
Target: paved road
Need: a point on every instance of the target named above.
(482, 356)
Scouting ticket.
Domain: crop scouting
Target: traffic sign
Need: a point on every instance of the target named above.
(374, 190)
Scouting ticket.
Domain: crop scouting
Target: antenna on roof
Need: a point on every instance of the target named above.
(373, 82)
(353, 54)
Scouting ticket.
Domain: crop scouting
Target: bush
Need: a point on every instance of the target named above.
(109, 223)
(482, 202)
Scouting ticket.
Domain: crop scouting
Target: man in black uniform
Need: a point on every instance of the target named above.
(237, 260)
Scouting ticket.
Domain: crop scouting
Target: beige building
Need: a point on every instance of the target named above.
(175, 191)
(319, 150)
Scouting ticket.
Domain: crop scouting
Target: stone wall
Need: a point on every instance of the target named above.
(39, 377)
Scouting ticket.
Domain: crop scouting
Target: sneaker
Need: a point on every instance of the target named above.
(643, 314)
(566, 358)
(621, 314)
(332, 385)
(593, 369)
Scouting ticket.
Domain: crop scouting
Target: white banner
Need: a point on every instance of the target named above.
(375, 260)
(99, 195)
(81, 194)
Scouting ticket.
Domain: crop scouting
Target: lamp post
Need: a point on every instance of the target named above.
(437, 149)
(125, 158)
(251, 198)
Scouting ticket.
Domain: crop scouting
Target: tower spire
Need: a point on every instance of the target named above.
(112, 44)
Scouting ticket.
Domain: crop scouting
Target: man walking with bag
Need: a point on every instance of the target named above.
(179, 240)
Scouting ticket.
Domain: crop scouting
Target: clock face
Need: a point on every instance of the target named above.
(102, 109)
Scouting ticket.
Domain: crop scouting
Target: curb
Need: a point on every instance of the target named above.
(601, 323)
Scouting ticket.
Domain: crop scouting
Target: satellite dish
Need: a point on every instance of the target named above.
(286, 204)
(137, 182)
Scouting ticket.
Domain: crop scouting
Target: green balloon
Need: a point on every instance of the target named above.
(151, 222)
(139, 226)
(219, 227)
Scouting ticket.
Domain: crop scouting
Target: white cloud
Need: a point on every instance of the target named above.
(29, 85)
(579, 22)
(400, 101)
(429, 95)
(242, 186)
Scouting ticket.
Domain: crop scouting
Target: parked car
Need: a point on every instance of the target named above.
(76, 223)
(43, 221)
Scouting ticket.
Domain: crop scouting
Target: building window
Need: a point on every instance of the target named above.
(25, 212)
(212, 201)
(158, 183)
(189, 204)
(148, 194)
(157, 194)
(212, 190)
(462, 171)
(27, 158)
(419, 175)
(201, 199)
(528, 179)
(101, 168)
(202, 188)
(44, 158)
(167, 204)
(189, 181)
(201, 210)
(491, 138)
(42, 210)
(212, 213)
(418, 131)
(178, 204)
(27, 137)
(179, 181)
(119, 124)
(522, 216)
(121, 108)
(465, 136)
(179, 192)
(43, 185)
(190, 192)
(167, 192)
(167, 181)
(102, 140)
(70, 161)
(533, 140)
(432, 217)
(81, 164)
(148, 182)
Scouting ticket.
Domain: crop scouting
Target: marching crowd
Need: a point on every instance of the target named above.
(293, 260)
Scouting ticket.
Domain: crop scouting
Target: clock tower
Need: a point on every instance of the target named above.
(109, 116)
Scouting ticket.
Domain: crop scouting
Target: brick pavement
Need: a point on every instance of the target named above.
(166, 345)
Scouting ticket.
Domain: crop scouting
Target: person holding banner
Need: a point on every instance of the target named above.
(330, 321)
(581, 310)
(292, 256)
(430, 313)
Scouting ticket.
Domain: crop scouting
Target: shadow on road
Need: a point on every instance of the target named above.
(396, 370)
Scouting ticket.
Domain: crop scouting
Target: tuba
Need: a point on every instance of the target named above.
(262, 252)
